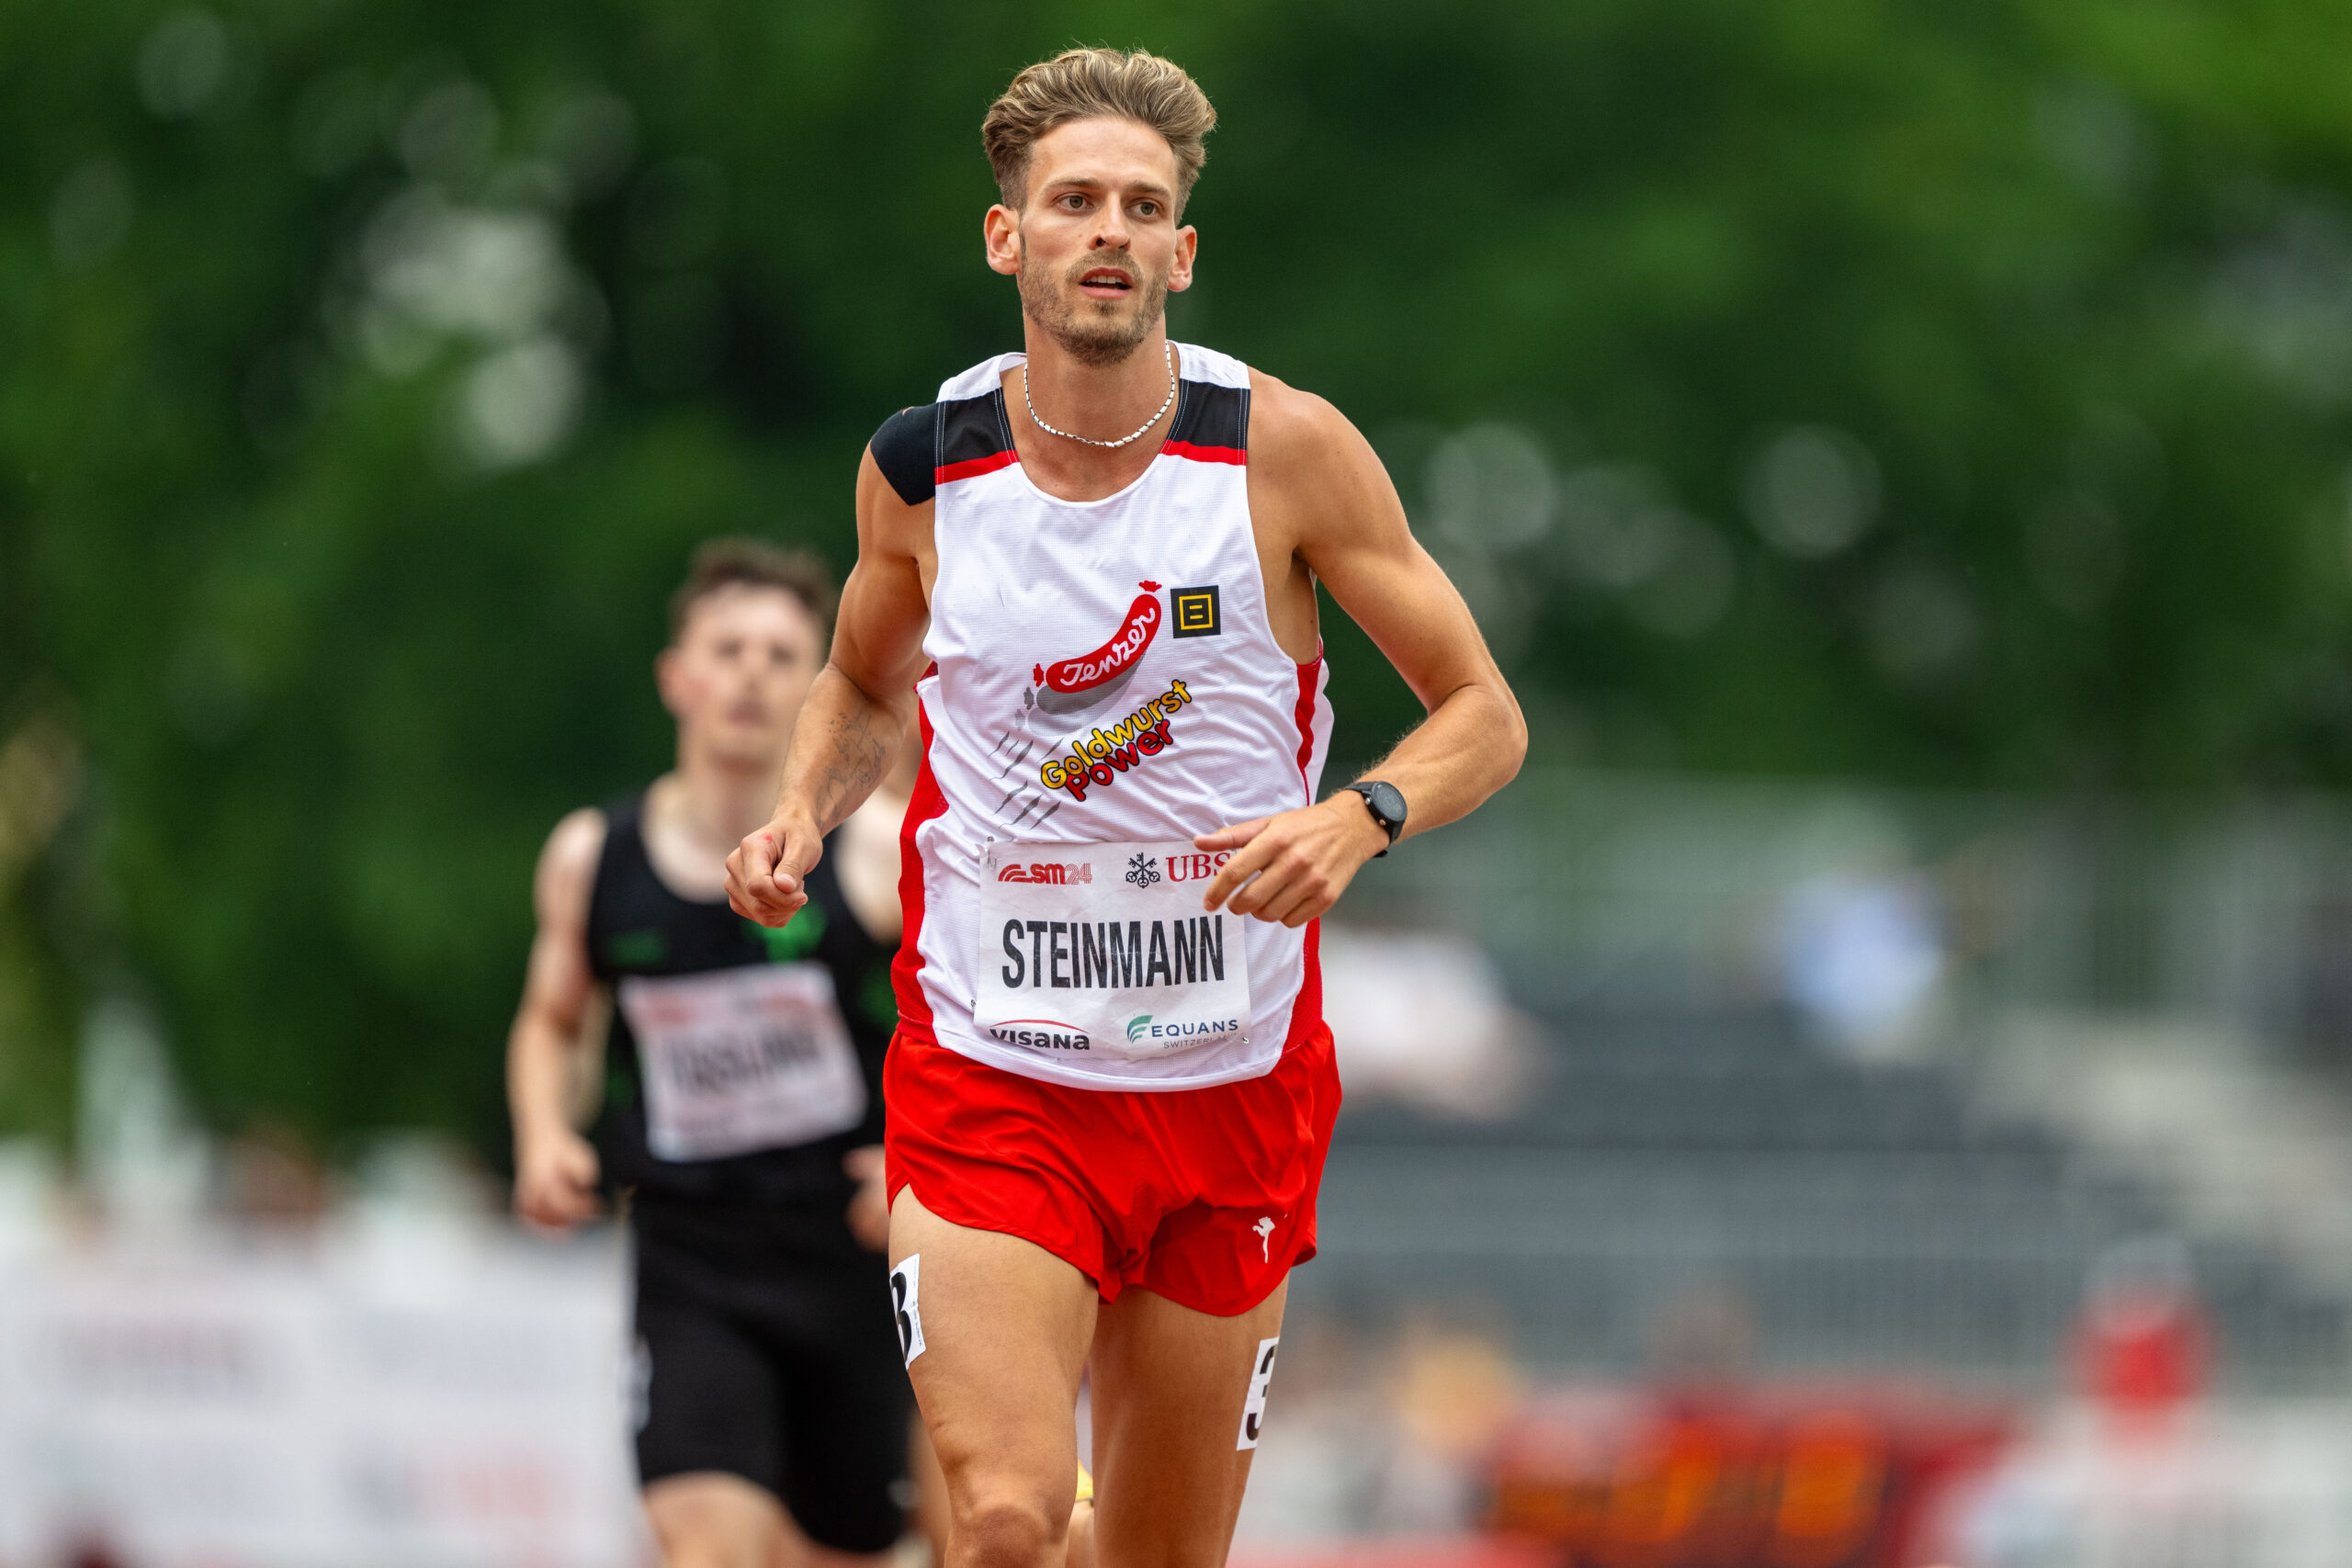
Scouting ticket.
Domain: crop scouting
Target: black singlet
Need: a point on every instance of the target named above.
(636, 925)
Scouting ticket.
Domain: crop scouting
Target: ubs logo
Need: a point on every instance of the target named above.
(1144, 870)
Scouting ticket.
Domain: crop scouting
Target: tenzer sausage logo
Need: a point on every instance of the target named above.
(1093, 679)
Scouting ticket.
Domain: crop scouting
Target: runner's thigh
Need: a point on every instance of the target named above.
(1170, 1385)
(710, 1398)
(1005, 1328)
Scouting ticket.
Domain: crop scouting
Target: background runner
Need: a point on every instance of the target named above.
(744, 1112)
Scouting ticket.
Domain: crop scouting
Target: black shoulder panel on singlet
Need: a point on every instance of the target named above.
(973, 437)
(906, 451)
(1213, 418)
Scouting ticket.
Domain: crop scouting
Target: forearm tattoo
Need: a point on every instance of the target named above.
(854, 764)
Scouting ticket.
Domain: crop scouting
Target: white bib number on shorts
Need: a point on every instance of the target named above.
(1104, 950)
(737, 1060)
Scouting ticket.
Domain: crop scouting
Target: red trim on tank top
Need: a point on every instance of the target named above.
(927, 804)
(1233, 454)
(973, 468)
(1306, 1011)
(1305, 714)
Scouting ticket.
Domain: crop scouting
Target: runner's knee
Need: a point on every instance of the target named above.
(712, 1522)
(1007, 1527)
(714, 1549)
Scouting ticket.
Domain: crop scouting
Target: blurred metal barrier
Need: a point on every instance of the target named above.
(1969, 1263)
(1696, 1127)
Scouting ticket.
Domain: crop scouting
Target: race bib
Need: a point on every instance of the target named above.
(735, 1060)
(1104, 950)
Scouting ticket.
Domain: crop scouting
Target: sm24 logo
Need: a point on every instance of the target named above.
(1061, 876)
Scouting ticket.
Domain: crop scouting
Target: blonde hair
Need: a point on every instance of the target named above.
(1088, 84)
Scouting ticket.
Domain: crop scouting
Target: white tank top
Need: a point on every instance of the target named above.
(1103, 686)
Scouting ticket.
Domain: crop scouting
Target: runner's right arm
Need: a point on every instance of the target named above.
(858, 711)
(555, 1168)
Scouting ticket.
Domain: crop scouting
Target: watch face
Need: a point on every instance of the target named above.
(1386, 803)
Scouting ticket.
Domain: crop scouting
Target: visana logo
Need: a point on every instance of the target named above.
(1047, 871)
(1055, 1036)
(1135, 1025)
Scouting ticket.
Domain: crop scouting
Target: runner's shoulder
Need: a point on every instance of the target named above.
(1299, 442)
(566, 878)
(906, 452)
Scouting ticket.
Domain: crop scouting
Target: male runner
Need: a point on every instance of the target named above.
(1089, 573)
(747, 1104)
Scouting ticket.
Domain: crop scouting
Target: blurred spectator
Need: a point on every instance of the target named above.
(2142, 1346)
(144, 1156)
(1452, 1394)
(1421, 1018)
(1861, 955)
(270, 1174)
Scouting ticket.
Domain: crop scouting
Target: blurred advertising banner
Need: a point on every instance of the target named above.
(411, 1394)
(1830, 1477)
(1788, 1478)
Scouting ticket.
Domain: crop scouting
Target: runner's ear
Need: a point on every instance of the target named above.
(665, 675)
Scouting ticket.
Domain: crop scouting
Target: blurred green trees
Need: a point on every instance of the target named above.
(1947, 393)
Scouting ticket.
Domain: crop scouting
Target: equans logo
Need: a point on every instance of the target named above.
(1060, 876)
(1141, 1027)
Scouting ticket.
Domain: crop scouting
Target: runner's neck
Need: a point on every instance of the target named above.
(707, 806)
(1101, 401)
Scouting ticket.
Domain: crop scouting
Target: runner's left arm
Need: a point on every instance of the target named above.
(555, 1168)
(1320, 479)
(857, 711)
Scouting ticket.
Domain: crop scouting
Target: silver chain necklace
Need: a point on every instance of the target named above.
(1123, 440)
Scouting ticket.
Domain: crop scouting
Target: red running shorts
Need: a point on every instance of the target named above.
(1205, 1196)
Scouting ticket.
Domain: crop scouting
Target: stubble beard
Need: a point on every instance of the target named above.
(1102, 340)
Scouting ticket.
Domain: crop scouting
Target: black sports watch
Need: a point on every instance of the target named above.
(1386, 804)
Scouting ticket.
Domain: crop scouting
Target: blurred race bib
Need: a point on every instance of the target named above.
(737, 1060)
